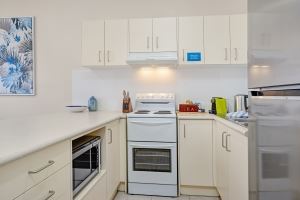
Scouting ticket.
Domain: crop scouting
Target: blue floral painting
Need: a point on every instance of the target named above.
(16, 56)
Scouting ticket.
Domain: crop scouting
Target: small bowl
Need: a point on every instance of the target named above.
(76, 108)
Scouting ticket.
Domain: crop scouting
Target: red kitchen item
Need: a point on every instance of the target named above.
(188, 108)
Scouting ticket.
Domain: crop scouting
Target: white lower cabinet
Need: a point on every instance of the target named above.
(123, 151)
(55, 187)
(21, 175)
(112, 157)
(221, 160)
(195, 150)
(238, 166)
(231, 163)
(98, 191)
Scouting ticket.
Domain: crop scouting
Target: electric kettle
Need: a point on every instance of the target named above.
(240, 102)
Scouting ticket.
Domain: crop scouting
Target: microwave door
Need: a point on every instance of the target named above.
(85, 165)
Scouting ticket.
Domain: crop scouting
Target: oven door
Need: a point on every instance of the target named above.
(150, 162)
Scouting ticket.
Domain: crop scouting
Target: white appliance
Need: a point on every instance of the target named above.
(152, 146)
(152, 58)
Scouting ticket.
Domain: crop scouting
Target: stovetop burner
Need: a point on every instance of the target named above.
(163, 112)
(142, 112)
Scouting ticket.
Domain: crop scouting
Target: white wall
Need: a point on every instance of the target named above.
(198, 84)
(58, 39)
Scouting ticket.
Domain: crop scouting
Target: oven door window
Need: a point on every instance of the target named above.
(154, 160)
(84, 165)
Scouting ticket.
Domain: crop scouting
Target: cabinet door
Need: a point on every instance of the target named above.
(140, 35)
(113, 157)
(238, 166)
(93, 43)
(123, 150)
(222, 163)
(238, 37)
(195, 146)
(164, 34)
(217, 39)
(98, 191)
(190, 38)
(116, 39)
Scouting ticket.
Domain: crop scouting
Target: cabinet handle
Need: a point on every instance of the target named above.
(50, 162)
(223, 139)
(50, 194)
(236, 54)
(226, 54)
(148, 42)
(227, 148)
(108, 56)
(99, 56)
(183, 59)
(156, 42)
(184, 136)
(110, 136)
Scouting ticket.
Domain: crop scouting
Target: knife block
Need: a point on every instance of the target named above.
(127, 106)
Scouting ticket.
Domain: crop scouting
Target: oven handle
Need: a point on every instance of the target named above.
(152, 146)
(152, 123)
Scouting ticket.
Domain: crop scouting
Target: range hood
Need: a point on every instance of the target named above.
(153, 58)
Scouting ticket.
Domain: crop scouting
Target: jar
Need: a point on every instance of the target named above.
(92, 104)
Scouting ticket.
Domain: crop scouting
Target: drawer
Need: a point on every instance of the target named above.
(152, 129)
(16, 177)
(55, 187)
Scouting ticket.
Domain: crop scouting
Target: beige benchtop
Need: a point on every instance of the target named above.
(206, 116)
(22, 136)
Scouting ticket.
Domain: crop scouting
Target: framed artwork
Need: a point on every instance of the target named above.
(17, 56)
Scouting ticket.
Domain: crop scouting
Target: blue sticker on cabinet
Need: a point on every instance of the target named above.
(194, 56)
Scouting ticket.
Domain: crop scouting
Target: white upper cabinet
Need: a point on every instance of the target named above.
(238, 36)
(93, 43)
(217, 39)
(164, 34)
(153, 35)
(116, 42)
(191, 40)
(140, 35)
(104, 43)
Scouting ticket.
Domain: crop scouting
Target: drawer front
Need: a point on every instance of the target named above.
(152, 129)
(21, 175)
(56, 187)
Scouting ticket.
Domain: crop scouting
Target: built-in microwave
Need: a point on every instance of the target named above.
(86, 152)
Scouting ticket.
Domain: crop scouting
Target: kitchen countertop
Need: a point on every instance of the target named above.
(22, 136)
(202, 116)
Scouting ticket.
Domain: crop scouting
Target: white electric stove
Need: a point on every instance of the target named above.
(152, 146)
